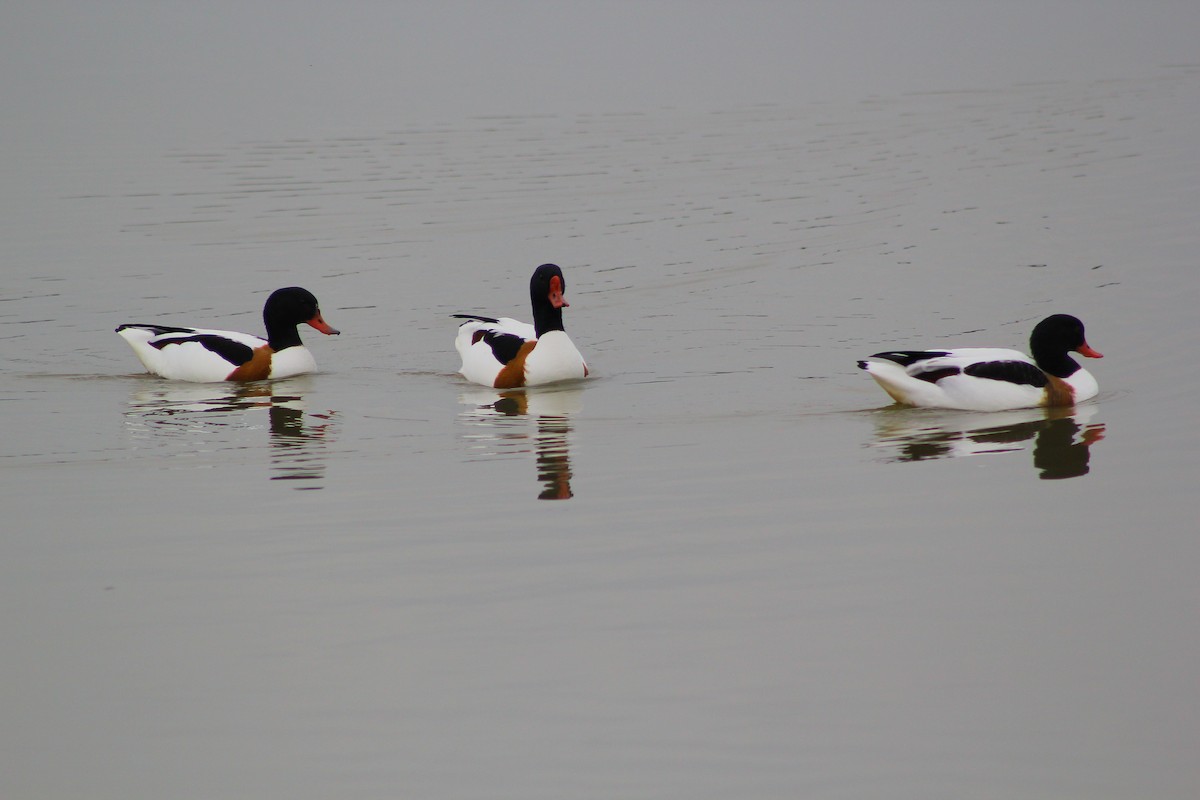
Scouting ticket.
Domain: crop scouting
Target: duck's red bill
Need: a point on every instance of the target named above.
(556, 294)
(1084, 350)
(323, 326)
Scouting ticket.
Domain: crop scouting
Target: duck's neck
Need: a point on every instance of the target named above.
(281, 335)
(1056, 362)
(546, 318)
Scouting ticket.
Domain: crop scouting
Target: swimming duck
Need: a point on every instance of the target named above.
(505, 354)
(205, 356)
(992, 379)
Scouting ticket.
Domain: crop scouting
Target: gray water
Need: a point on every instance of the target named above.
(724, 566)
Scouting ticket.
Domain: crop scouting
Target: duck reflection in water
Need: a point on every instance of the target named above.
(192, 419)
(1061, 437)
(298, 442)
(500, 423)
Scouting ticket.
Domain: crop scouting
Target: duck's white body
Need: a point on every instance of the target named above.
(550, 358)
(187, 354)
(505, 353)
(992, 378)
(918, 383)
(205, 355)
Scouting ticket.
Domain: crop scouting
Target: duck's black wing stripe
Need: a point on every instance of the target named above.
(935, 375)
(504, 345)
(157, 330)
(1019, 372)
(906, 358)
(235, 353)
(491, 320)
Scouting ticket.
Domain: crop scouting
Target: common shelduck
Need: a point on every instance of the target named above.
(205, 356)
(992, 379)
(505, 354)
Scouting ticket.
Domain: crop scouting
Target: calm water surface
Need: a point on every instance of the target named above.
(722, 567)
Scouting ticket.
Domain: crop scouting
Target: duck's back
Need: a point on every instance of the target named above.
(200, 355)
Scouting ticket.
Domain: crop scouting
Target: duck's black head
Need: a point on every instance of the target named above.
(1053, 338)
(285, 309)
(547, 289)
